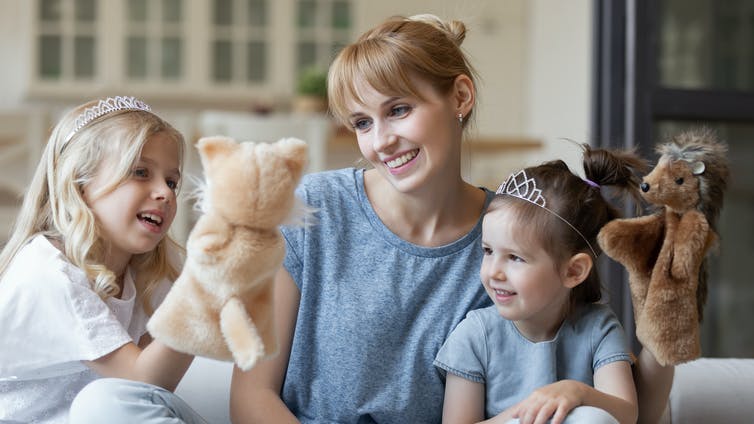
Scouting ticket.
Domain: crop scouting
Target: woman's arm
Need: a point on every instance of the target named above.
(255, 394)
(464, 400)
(653, 384)
(156, 364)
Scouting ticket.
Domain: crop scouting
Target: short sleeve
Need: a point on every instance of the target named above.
(51, 318)
(609, 340)
(464, 353)
(294, 235)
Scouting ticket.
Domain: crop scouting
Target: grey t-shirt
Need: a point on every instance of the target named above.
(374, 309)
(489, 349)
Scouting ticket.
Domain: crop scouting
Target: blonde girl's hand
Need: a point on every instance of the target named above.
(554, 401)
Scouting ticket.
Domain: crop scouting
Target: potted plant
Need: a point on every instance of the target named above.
(311, 91)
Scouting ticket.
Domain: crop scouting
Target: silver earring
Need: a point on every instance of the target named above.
(460, 118)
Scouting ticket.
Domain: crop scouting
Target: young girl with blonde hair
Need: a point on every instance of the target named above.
(89, 259)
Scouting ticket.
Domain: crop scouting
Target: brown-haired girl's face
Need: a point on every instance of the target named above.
(520, 277)
(135, 216)
(408, 140)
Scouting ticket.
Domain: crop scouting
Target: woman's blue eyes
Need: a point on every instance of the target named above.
(398, 111)
(361, 124)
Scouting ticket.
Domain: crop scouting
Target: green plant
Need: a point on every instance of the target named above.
(312, 81)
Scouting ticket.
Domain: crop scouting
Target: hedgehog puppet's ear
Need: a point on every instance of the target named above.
(697, 168)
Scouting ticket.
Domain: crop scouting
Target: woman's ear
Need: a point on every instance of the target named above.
(576, 269)
(463, 94)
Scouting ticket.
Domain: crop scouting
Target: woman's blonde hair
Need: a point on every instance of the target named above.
(389, 55)
(55, 207)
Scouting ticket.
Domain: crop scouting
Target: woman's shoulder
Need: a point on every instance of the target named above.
(345, 177)
(319, 187)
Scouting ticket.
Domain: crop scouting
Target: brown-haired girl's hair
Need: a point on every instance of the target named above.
(388, 56)
(581, 203)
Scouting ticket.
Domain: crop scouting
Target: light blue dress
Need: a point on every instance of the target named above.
(487, 348)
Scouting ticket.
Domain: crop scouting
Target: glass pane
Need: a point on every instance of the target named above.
(256, 61)
(334, 50)
(86, 10)
(222, 69)
(50, 56)
(137, 10)
(49, 10)
(731, 294)
(83, 47)
(171, 58)
(707, 44)
(258, 12)
(171, 10)
(307, 13)
(341, 15)
(137, 57)
(223, 12)
(307, 54)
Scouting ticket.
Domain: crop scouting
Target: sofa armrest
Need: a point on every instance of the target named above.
(206, 388)
(712, 390)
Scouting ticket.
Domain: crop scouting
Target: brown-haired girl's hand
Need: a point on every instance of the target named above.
(553, 401)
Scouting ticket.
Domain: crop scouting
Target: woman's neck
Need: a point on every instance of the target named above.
(431, 218)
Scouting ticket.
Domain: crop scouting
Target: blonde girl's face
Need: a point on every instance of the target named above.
(521, 278)
(408, 140)
(136, 216)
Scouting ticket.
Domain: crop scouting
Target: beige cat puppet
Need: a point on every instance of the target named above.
(221, 304)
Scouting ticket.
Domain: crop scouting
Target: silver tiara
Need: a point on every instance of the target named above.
(521, 186)
(105, 106)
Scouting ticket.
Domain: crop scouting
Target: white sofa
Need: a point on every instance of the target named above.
(708, 390)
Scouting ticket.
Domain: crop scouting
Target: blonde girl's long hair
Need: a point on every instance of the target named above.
(54, 205)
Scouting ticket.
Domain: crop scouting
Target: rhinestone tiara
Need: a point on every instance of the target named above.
(103, 107)
(522, 186)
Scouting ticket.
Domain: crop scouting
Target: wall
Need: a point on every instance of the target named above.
(534, 61)
(15, 60)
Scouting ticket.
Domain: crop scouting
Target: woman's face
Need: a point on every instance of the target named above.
(408, 140)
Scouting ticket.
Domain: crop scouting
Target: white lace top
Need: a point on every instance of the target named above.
(50, 321)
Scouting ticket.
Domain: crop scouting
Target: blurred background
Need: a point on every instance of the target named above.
(614, 73)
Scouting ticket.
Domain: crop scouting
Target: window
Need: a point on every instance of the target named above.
(691, 63)
(154, 40)
(323, 28)
(226, 51)
(66, 40)
(240, 41)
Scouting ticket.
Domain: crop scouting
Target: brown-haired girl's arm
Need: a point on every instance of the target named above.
(255, 394)
(653, 383)
(613, 392)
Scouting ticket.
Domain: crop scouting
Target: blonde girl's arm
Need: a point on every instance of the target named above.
(155, 364)
(255, 394)
(464, 400)
(613, 391)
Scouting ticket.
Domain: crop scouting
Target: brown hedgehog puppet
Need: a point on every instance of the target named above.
(665, 252)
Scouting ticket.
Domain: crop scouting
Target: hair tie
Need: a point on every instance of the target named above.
(591, 183)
